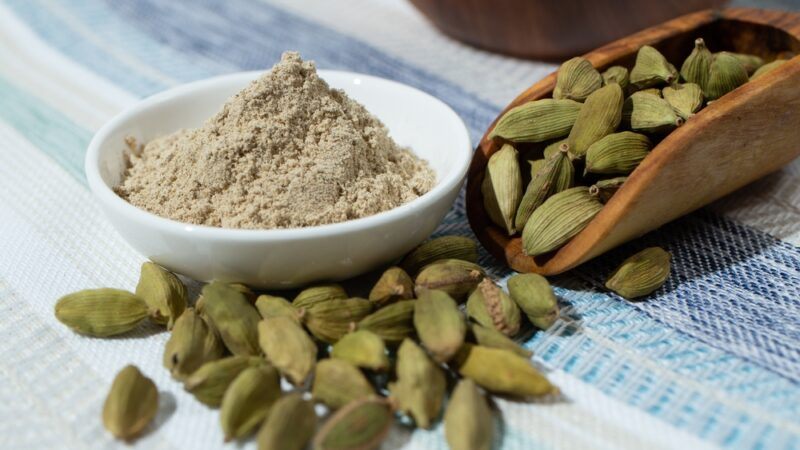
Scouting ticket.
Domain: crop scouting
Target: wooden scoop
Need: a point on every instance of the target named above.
(746, 134)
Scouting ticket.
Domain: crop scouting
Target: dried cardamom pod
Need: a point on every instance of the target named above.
(605, 189)
(490, 306)
(456, 277)
(316, 294)
(290, 424)
(617, 74)
(163, 292)
(131, 403)
(555, 147)
(537, 121)
(576, 80)
(363, 349)
(650, 91)
(420, 386)
(599, 116)
(337, 383)
(245, 290)
(685, 99)
(641, 274)
(649, 114)
(445, 247)
(288, 348)
(505, 180)
(559, 219)
(361, 425)
(617, 153)
(269, 306)
(534, 296)
(766, 68)
(392, 323)
(247, 401)
(751, 63)
(439, 323)
(329, 320)
(233, 316)
(489, 337)
(468, 421)
(726, 74)
(501, 372)
(101, 312)
(652, 69)
(556, 175)
(393, 285)
(536, 165)
(696, 67)
(209, 382)
(191, 344)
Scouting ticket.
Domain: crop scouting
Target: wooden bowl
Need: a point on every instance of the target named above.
(550, 30)
(746, 134)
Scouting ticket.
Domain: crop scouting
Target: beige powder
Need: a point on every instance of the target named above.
(287, 151)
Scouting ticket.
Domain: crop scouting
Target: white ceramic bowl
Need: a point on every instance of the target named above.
(287, 257)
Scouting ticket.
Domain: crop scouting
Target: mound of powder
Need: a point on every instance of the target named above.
(287, 151)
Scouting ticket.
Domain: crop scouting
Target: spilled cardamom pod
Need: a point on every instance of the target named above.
(393, 285)
(421, 385)
(504, 189)
(649, 114)
(617, 153)
(685, 99)
(559, 219)
(269, 306)
(247, 401)
(617, 74)
(489, 337)
(191, 344)
(290, 424)
(338, 382)
(725, 74)
(751, 63)
(439, 323)
(317, 294)
(361, 425)
(490, 306)
(131, 404)
(288, 348)
(537, 121)
(233, 316)
(101, 312)
(468, 421)
(363, 349)
(556, 175)
(651, 68)
(605, 189)
(163, 292)
(768, 67)
(696, 67)
(599, 116)
(445, 247)
(501, 372)
(392, 323)
(641, 274)
(329, 320)
(456, 277)
(209, 382)
(576, 80)
(534, 296)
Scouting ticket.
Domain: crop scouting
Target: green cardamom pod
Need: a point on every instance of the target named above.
(363, 349)
(338, 382)
(131, 404)
(685, 99)
(501, 372)
(559, 219)
(576, 80)
(191, 344)
(696, 67)
(751, 63)
(317, 294)
(269, 306)
(392, 323)
(445, 247)
(456, 277)
(163, 292)
(599, 116)
(290, 424)
(537, 121)
(617, 74)
(556, 175)
(421, 385)
(329, 320)
(555, 147)
(617, 153)
(101, 312)
(209, 382)
(726, 74)
(439, 323)
(490, 306)
(233, 316)
(766, 68)
(288, 348)
(641, 274)
(489, 337)
(361, 425)
(651, 69)
(651, 91)
(536, 165)
(393, 285)
(504, 188)
(247, 401)
(534, 296)
(605, 189)
(649, 114)
(244, 290)
(468, 421)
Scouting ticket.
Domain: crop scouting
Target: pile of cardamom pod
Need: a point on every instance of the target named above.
(397, 352)
(600, 125)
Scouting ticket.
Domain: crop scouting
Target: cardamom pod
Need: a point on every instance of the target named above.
(605, 189)
(245, 290)
(101, 312)
(456, 277)
(685, 99)
(766, 68)
(393, 285)
(576, 80)
(696, 67)
(288, 348)
(537, 121)
(501, 372)
(361, 425)
(489, 337)
(329, 320)
(163, 292)
(641, 274)
(363, 349)
(439, 323)
(726, 74)
(131, 404)
(317, 294)
(536, 165)
(191, 344)
(559, 219)
(505, 181)
(445, 247)
(209, 382)
(468, 421)
(599, 116)
(751, 63)
(233, 316)
(556, 175)
(392, 323)
(649, 114)
(555, 147)
(290, 424)
(617, 74)
(652, 68)
(337, 383)
(534, 296)
(421, 385)
(269, 306)
(490, 306)
(247, 401)
(617, 153)
(651, 91)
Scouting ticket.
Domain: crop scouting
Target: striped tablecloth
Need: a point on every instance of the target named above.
(713, 360)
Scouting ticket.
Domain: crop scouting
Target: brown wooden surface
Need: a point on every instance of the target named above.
(743, 136)
(550, 29)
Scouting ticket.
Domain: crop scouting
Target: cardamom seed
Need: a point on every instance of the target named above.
(617, 153)
(489, 337)
(766, 68)
(233, 316)
(576, 80)
(537, 121)
(726, 74)
(163, 292)
(696, 67)
(445, 247)
(599, 116)
(393, 285)
(247, 401)
(101, 312)
(290, 424)
(534, 296)
(605, 189)
(751, 63)
(131, 404)
(559, 219)
(617, 74)
(505, 179)
(455, 277)
(649, 114)
(209, 382)
(288, 348)
(501, 372)
(439, 323)
(685, 99)
(338, 382)
(361, 425)
(392, 323)
(191, 344)
(556, 175)
(652, 68)
(329, 320)
(269, 306)
(316, 294)
(490, 306)
(641, 274)
(363, 349)
(420, 386)
(468, 421)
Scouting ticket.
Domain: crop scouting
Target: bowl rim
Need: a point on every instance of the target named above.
(461, 159)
